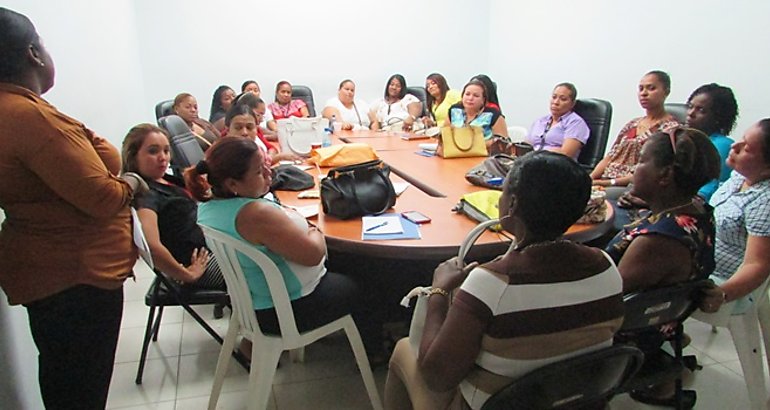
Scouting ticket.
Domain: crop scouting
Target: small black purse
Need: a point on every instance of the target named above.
(356, 190)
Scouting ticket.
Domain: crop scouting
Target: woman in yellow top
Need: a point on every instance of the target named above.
(439, 98)
(65, 245)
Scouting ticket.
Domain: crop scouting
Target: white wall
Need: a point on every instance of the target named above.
(604, 47)
(116, 59)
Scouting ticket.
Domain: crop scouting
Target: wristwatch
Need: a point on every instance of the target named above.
(613, 181)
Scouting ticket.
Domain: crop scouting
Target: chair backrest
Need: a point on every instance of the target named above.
(678, 110)
(173, 124)
(421, 95)
(226, 249)
(185, 149)
(598, 115)
(571, 383)
(305, 94)
(163, 109)
(652, 308)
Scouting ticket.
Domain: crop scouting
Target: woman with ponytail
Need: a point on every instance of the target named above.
(231, 183)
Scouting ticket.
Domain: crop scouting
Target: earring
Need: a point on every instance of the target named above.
(42, 64)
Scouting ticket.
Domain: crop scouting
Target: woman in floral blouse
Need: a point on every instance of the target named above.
(618, 166)
(679, 231)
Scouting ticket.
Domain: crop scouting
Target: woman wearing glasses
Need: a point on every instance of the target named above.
(617, 168)
(562, 130)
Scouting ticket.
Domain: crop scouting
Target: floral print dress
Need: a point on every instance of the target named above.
(696, 231)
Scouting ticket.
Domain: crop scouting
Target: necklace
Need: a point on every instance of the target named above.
(674, 208)
(541, 244)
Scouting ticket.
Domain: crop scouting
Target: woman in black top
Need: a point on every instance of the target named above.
(168, 213)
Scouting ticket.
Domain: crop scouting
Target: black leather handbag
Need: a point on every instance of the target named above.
(356, 190)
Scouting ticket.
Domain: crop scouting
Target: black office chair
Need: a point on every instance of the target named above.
(579, 382)
(185, 149)
(164, 292)
(163, 109)
(646, 312)
(678, 110)
(598, 115)
(421, 95)
(305, 94)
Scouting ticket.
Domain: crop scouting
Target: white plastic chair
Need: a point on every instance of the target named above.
(745, 331)
(266, 349)
(517, 133)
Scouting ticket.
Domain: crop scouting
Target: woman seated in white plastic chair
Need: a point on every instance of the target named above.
(521, 311)
(352, 114)
(397, 108)
(231, 183)
(562, 130)
(742, 213)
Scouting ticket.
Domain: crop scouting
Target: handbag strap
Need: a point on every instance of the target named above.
(385, 180)
(458, 145)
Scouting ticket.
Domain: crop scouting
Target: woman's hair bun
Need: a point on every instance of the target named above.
(202, 167)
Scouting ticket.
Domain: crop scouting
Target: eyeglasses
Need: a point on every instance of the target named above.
(671, 132)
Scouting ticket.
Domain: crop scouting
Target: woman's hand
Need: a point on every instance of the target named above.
(428, 121)
(198, 261)
(627, 201)
(347, 126)
(408, 123)
(712, 299)
(451, 274)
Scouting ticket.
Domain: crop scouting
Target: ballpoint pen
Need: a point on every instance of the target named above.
(376, 226)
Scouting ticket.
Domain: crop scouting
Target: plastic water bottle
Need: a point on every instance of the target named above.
(327, 139)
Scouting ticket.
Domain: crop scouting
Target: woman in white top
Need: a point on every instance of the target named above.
(397, 107)
(353, 114)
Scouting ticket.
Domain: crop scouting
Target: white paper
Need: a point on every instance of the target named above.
(140, 241)
(429, 146)
(304, 167)
(307, 211)
(379, 225)
(400, 187)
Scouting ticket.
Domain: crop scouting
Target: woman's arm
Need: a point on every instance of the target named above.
(330, 111)
(671, 264)
(451, 339)
(570, 147)
(622, 181)
(264, 224)
(304, 111)
(162, 257)
(752, 272)
(374, 123)
(500, 127)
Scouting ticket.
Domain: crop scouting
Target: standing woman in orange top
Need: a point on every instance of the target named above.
(66, 244)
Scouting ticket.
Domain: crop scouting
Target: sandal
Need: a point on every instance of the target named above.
(688, 399)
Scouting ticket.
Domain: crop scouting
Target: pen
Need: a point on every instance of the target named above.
(376, 226)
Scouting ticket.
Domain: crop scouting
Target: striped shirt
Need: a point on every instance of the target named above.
(548, 309)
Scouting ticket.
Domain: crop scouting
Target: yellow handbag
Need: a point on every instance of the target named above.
(463, 142)
(340, 155)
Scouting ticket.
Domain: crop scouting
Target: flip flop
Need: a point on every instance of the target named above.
(688, 399)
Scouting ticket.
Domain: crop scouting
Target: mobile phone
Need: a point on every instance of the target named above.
(415, 217)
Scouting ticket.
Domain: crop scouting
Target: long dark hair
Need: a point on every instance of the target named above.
(401, 81)
(443, 89)
(226, 158)
(216, 100)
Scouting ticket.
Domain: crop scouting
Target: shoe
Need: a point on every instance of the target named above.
(688, 399)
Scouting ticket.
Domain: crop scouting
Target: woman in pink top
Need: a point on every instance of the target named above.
(284, 106)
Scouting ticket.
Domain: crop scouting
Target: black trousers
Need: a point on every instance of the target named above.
(335, 296)
(76, 334)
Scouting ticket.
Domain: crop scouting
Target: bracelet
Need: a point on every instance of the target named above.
(438, 291)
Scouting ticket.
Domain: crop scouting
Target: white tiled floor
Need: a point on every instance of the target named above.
(180, 367)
